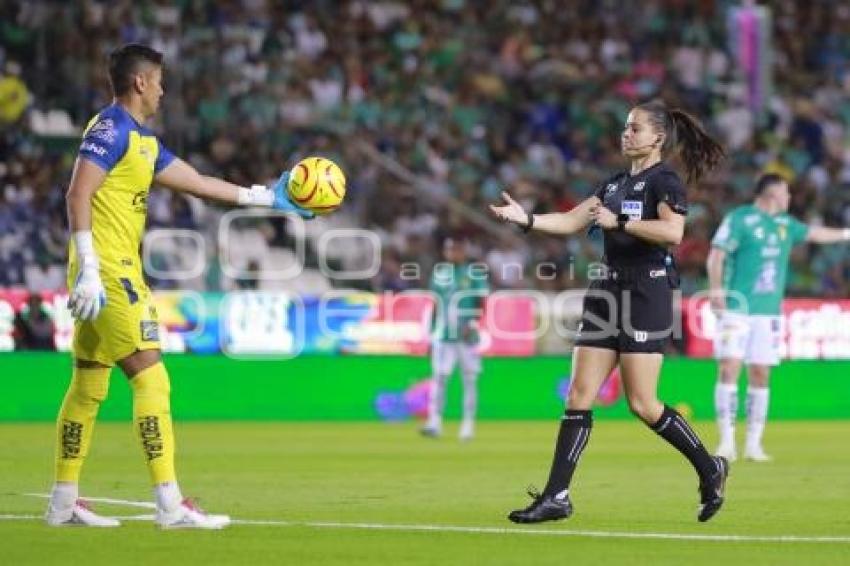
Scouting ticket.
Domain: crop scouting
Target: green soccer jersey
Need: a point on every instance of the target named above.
(459, 292)
(758, 247)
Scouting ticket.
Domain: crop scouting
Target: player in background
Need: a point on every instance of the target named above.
(747, 270)
(459, 290)
(115, 320)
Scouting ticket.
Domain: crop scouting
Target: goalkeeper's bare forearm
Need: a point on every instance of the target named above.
(182, 177)
(85, 181)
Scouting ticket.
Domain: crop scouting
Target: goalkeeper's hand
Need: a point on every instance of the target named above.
(283, 202)
(277, 198)
(88, 296)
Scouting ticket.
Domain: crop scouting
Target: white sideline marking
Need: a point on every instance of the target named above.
(550, 532)
(462, 529)
(143, 504)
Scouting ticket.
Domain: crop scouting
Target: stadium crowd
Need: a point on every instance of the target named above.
(472, 96)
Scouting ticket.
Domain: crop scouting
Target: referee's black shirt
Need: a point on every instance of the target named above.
(637, 196)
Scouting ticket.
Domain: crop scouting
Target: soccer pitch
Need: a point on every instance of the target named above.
(376, 493)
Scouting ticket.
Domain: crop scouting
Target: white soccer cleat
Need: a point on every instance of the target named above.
(467, 430)
(756, 454)
(188, 516)
(727, 450)
(80, 514)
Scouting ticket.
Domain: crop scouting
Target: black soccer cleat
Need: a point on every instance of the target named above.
(542, 508)
(430, 432)
(711, 492)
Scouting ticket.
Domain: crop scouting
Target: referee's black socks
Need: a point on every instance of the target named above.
(673, 428)
(572, 439)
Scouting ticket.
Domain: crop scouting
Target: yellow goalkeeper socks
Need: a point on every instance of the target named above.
(152, 421)
(75, 422)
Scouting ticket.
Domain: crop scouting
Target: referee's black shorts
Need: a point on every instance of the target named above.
(629, 309)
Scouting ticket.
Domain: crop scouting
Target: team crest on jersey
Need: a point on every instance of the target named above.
(104, 130)
(140, 201)
(609, 190)
(639, 186)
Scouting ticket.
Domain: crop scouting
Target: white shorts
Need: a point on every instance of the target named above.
(756, 339)
(445, 356)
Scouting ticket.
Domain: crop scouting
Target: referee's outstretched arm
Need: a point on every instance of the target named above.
(668, 229)
(561, 223)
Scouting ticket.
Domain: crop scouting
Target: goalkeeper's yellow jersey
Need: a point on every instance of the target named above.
(131, 155)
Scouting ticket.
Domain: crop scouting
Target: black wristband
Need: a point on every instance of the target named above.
(621, 222)
(529, 224)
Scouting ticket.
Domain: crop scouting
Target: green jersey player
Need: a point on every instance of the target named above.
(459, 290)
(747, 270)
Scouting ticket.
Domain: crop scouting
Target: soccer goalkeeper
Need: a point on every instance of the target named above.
(115, 319)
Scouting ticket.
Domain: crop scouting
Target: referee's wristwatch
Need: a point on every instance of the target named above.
(621, 222)
(529, 223)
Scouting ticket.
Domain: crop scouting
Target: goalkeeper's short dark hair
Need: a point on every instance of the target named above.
(124, 63)
(767, 180)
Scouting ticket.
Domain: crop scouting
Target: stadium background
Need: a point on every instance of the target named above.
(430, 114)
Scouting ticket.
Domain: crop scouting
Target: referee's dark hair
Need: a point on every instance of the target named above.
(767, 180)
(124, 63)
(699, 151)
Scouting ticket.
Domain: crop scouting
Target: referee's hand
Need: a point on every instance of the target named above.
(511, 211)
(603, 217)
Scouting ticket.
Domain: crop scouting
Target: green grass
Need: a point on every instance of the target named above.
(629, 481)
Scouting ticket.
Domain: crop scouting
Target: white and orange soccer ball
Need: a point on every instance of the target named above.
(317, 184)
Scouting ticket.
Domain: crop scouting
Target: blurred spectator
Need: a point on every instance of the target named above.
(14, 96)
(44, 276)
(34, 328)
(391, 277)
(471, 97)
(507, 264)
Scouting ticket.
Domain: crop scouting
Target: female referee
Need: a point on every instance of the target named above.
(627, 314)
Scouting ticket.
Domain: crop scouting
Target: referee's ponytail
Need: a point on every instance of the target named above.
(699, 151)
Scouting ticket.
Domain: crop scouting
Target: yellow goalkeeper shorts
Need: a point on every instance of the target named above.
(128, 322)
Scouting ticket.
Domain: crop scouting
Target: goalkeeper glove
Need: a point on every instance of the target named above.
(88, 296)
(276, 198)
